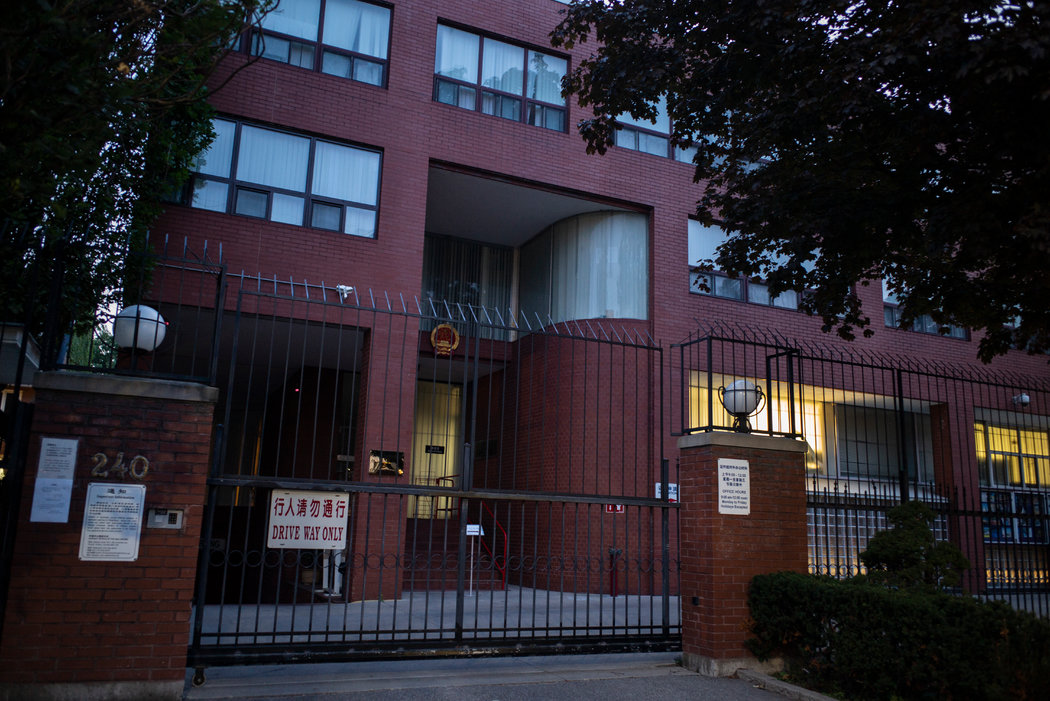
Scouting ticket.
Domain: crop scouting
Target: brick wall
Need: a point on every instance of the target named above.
(109, 629)
(720, 553)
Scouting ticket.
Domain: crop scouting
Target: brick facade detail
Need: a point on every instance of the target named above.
(128, 622)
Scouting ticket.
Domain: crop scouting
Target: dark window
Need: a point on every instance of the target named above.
(288, 178)
(499, 78)
(346, 38)
(892, 313)
(703, 242)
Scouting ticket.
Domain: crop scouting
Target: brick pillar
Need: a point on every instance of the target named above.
(102, 629)
(721, 552)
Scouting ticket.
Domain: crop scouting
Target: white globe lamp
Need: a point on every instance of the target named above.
(139, 326)
(741, 399)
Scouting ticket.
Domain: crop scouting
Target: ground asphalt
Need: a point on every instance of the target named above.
(608, 677)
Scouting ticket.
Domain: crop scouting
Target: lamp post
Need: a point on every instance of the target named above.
(741, 399)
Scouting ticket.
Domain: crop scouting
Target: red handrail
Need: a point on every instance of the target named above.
(506, 548)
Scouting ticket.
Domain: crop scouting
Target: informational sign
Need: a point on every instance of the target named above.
(54, 480)
(112, 522)
(672, 492)
(307, 520)
(475, 529)
(617, 508)
(734, 487)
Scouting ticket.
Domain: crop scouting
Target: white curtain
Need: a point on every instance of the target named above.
(360, 222)
(703, 242)
(216, 160)
(457, 54)
(346, 173)
(545, 74)
(296, 17)
(503, 67)
(272, 158)
(357, 26)
(599, 267)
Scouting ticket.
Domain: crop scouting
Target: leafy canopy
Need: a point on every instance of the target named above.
(102, 111)
(848, 140)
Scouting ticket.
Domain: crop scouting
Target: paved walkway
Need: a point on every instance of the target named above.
(637, 677)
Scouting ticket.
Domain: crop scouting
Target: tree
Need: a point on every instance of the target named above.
(102, 112)
(844, 141)
(908, 556)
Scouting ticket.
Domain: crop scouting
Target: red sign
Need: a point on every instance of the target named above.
(614, 508)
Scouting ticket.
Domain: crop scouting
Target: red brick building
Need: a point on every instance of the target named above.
(434, 300)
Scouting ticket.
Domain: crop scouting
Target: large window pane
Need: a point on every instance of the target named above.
(662, 123)
(216, 160)
(703, 242)
(598, 268)
(357, 26)
(345, 173)
(545, 74)
(273, 158)
(457, 54)
(503, 67)
(295, 17)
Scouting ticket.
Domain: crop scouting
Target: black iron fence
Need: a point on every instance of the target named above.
(972, 442)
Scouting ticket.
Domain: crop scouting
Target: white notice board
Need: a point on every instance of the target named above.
(112, 522)
(734, 487)
(54, 480)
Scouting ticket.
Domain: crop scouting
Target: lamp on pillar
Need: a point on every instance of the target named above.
(741, 399)
(139, 327)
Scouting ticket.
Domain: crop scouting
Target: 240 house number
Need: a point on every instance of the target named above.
(137, 467)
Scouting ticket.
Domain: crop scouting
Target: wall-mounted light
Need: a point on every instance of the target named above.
(741, 399)
(139, 326)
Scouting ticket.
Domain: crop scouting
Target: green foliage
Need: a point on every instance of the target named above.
(870, 139)
(102, 111)
(870, 642)
(909, 557)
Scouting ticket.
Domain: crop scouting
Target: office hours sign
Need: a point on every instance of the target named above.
(307, 520)
(734, 487)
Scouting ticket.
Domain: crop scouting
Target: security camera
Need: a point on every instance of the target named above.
(1022, 400)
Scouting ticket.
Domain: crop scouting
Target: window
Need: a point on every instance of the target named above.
(288, 178)
(703, 245)
(651, 137)
(871, 443)
(351, 41)
(497, 78)
(1012, 456)
(588, 266)
(892, 312)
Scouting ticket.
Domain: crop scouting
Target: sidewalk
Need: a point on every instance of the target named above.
(638, 677)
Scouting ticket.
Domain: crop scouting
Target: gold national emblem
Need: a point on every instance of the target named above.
(445, 339)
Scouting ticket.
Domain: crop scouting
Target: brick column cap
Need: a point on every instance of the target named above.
(96, 383)
(747, 441)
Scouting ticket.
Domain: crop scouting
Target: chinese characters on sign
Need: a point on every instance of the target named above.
(734, 487)
(112, 522)
(309, 520)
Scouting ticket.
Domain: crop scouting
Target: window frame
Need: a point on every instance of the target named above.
(892, 310)
(253, 36)
(528, 106)
(718, 280)
(310, 200)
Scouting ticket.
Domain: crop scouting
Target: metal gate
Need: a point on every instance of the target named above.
(495, 481)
